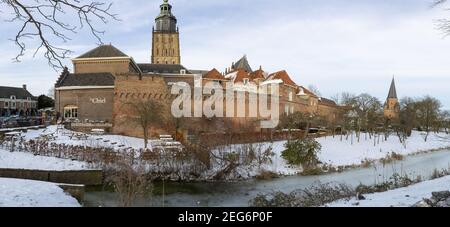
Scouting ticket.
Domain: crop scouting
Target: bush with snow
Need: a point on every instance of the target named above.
(302, 152)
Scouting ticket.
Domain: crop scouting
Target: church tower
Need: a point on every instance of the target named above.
(392, 106)
(166, 38)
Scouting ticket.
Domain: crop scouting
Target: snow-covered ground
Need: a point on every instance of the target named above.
(337, 153)
(334, 152)
(21, 160)
(343, 153)
(26, 193)
(402, 197)
(63, 137)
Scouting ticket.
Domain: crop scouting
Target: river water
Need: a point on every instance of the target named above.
(238, 194)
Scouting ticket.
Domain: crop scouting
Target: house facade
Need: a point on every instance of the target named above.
(17, 101)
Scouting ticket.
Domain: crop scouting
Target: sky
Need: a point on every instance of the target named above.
(354, 46)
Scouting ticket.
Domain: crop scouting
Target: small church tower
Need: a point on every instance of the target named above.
(392, 106)
(166, 39)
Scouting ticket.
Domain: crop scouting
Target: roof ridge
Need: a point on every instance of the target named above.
(102, 51)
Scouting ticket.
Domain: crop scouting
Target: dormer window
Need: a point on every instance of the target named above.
(246, 81)
(183, 71)
(13, 97)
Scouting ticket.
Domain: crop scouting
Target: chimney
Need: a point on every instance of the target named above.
(24, 86)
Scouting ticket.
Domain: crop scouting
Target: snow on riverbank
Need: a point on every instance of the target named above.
(26, 193)
(21, 160)
(402, 197)
(337, 153)
(334, 152)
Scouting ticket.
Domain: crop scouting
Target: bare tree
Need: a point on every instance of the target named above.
(131, 182)
(314, 89)
(408, 115)
(147, 112)
(442, 24)
(428, 110)
(369, 110)
(50, 20)
(445, 119)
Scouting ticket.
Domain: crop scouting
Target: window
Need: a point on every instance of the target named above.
(286, 109)
(13, 102)
(71, 112)
(291, 96)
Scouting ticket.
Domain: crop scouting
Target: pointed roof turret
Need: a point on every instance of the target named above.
(392, 90)
(242, 64)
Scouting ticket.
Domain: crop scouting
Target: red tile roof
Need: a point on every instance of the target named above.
(241, 74)
(214, 74)
(257, 75)
(284, 76)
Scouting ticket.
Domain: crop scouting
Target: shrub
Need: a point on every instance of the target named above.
(302, 152)
(314, 196)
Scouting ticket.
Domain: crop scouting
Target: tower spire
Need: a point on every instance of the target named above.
(393, 90)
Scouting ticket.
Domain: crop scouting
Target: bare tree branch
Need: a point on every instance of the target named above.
(442, 24)
(43, 20)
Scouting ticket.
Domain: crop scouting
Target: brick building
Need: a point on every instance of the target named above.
(17, 101)
(106, 83)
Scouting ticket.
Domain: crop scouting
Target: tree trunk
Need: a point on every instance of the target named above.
(145, 137)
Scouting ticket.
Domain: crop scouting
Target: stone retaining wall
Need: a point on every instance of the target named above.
(85, 177)
(75, 190)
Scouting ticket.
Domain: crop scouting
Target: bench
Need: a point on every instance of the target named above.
(98, 131)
